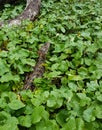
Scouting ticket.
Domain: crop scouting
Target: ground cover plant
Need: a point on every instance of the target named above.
(69, 95)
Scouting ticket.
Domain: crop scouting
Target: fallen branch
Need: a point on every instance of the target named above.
(38, 69)
(30, 12)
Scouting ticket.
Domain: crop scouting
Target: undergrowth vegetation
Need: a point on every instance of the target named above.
(69, 95)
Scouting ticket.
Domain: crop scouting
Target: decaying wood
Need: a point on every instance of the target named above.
(38, 69)
(30, 12)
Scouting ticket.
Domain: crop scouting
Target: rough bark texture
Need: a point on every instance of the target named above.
(38, 69)
(30, 12)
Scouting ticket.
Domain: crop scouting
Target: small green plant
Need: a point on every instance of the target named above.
(69, 95)
(10, 11)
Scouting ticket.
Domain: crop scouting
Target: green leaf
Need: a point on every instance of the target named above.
(88, 114)
(92, 86)
(70, 125)
(28, 109)
(98, 111)
(63, 66)
(3, 103)
(63, 29)
(25, 121)
(28, 61)
(26, 95)
(88, 61)
(51, 102)
(98, 96)
(9, 77)
(84, 100)
(11, 95)
(47, 125)
(4, 67)
(59, 48)
(16, 104)
(61, 117)
(37, 114)
(3, 54)
(54, 74)
(53, 58)
(55, 66)
(86, 35)
(3, 117)
(72, 86)
(11, 124)
(74, 77)
(83, 72)
(7, 122)
(79, 124)
(92, 48)
(54, 100)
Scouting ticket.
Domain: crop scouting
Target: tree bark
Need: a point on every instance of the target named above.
(30, 12)
(39, 68)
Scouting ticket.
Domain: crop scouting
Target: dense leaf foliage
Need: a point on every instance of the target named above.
(69, 95)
